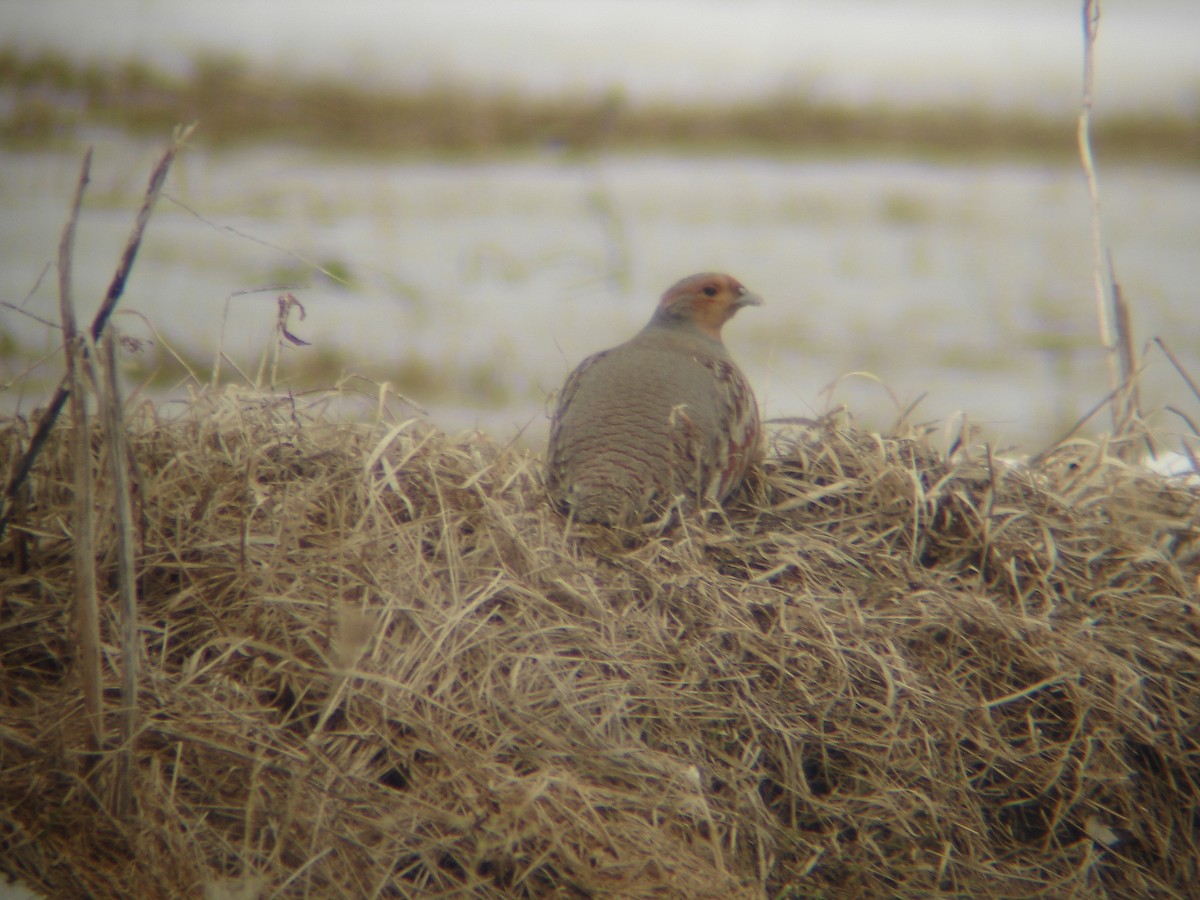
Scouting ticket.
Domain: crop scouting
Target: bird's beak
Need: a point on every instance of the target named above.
(748, 298)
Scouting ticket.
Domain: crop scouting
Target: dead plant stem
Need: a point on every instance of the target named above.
(115, 289)
(87, 614)
(126, 574)
(1091, 21)
(1113, 317)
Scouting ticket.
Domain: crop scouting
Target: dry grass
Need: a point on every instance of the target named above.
(54, 98)
(376, 666)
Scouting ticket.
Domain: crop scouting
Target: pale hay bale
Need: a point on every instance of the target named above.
(376, 666)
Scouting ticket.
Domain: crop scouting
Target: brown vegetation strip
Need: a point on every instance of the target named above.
(53, 96)
(375, 665)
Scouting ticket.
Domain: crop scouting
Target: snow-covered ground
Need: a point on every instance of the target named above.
(968, 283)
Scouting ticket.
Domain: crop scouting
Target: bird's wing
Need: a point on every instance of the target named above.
(566, 395)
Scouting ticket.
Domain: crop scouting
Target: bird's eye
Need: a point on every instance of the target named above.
(710, 291)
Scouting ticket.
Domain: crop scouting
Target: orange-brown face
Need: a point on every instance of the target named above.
(709, 300)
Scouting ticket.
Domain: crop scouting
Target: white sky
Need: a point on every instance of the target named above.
(1014, 53)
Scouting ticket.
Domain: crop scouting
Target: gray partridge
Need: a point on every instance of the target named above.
(666, 415)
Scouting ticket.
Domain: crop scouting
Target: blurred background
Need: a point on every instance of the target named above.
(469, 196)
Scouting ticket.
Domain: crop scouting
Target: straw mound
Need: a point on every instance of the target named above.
(374, 665)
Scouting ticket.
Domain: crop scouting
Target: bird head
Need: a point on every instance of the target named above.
(707, 301)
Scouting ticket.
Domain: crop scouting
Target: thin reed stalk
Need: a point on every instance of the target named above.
(114, 430)
(87, 614)
(1112, 311)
